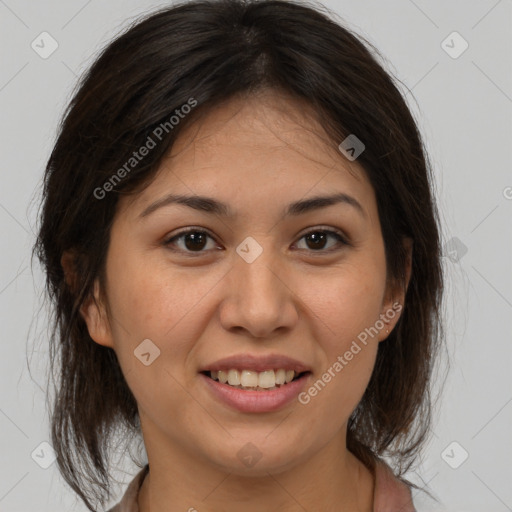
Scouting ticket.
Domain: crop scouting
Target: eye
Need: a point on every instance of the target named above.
(194, 240)
(316, 240)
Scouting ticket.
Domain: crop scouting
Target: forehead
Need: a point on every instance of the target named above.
(268, 145)
(270, 124)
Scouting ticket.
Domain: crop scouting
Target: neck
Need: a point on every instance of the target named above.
(330, 480)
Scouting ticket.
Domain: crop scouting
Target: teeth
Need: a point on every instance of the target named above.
(280, 377)
(267, 379)
(233, 378)
(249, 379)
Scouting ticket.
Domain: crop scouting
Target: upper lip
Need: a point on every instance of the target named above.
(257, 363)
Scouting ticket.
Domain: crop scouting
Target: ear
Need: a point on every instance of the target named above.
(93, 309)
(395, 295)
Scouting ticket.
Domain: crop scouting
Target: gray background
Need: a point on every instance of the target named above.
(463, 106)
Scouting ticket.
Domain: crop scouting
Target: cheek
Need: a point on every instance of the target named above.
(344, 303)
(343, 307)
(151, 300)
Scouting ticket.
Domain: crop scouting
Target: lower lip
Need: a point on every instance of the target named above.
(256, 401)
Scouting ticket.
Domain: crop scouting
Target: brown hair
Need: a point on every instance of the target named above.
(211, 51)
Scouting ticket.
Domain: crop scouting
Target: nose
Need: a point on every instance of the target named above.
(258, 297)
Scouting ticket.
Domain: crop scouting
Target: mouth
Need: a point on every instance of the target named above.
(246, 395)
(249, 380)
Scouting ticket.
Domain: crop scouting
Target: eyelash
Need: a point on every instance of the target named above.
(336, 234)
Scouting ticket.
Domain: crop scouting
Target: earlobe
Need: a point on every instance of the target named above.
(390, 317)
(94, 313)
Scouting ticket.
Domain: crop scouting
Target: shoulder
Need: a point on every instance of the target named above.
(128, 502)
(391, 493)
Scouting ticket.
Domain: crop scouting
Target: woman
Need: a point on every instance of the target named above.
(242, 249)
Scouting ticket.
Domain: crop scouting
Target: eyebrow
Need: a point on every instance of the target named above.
(215, 207)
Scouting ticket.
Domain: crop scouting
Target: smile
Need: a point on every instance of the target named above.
(255, 392)
(252, 380)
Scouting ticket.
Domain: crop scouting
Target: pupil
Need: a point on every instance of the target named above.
(196, 238)
(317, 237)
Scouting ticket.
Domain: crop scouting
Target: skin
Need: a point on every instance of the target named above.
(258, 155)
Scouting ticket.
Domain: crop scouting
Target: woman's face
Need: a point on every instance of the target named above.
(257, 283)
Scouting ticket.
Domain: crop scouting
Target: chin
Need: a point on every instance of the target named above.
(248, 458)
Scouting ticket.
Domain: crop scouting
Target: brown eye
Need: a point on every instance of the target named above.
(317, 240)
(193, 240)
